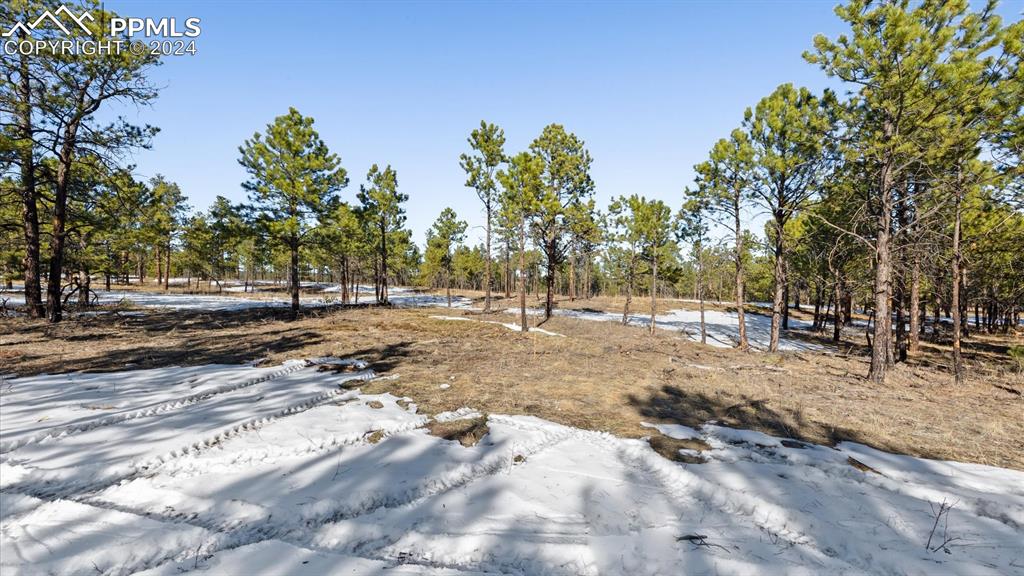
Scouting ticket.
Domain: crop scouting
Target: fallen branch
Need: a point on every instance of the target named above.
(941, 515)
(700, 540)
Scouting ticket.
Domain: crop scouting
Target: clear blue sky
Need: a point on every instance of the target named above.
(648, 86)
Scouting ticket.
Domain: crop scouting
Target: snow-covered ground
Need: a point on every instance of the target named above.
(508, 325)
(281, 470)
(722, 327)
(398, 296)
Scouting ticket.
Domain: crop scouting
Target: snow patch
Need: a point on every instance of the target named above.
(677, 431)
(295, 475)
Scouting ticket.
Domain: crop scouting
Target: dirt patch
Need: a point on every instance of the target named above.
(601, 376)
(861, 466)
(338, 368)
(375, 404)
(670, 447)
(466, 431)
(374, 437)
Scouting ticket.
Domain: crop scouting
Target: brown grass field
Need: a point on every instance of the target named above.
(601, 376)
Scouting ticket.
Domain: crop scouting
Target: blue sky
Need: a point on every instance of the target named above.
(648, 86)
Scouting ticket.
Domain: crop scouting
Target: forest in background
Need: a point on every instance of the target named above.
(900, 197)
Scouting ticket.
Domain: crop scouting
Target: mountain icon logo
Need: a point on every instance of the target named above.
(54, 19)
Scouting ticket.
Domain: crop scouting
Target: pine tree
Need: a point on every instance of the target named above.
(293, 184)
(624, 237)
(382, 203)
(693, 226)
(520, 200)
(787, 131)
(898, 57)
(725, 181)
(165, 215)
(487, 143)
(344, 240)
(443, 237)
(566, 186)
(76, 87)
(644, 228)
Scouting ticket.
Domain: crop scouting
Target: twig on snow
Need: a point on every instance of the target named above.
(941, 515)
(700, 540)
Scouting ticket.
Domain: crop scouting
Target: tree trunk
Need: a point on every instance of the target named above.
(837, 320)
(881, 352)
(344, 280)
(293, 271)
(778, 299)
(83, 288)
(58, 233)
(958, 363)
(522, 276)
(818, 295)
(508, 273)
(785, 302)
(572, 277)
(629, 286)
(700, 294)
(588, 278)
(901, 342)
(29, 210)
(914, 343)
(167, 269)
(738, 261)
(548, 301)
(965, 324)
(487, 264)
(383, 295)
(654, 290)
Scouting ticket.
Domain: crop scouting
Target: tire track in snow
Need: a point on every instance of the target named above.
(175, 469)
(683, 486)
(459, 477)
(234, 533)
(64, 431)
(221, 531)
(67, 489)
(976, 503)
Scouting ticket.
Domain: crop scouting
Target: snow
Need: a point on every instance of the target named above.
(399, 297)
(463, 413)
(722, 327)
(277, 558)
(508, 325)
(65, 537)
(677, 431)
(173, 301)
(289, 470)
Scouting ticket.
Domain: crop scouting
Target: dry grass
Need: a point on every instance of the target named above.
(466, 431)
(670, 448)
(603, 376)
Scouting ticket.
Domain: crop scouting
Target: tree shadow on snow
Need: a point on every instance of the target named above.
(673, 404)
